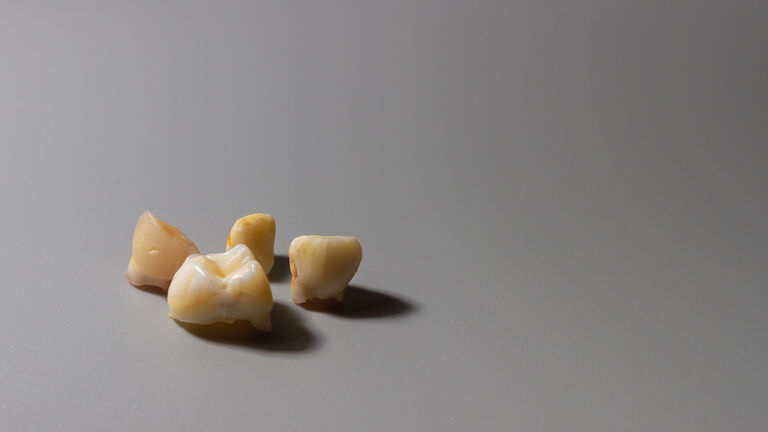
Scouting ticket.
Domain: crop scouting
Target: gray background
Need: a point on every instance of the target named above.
(561, 205)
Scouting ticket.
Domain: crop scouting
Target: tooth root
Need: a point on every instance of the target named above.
(322, 266)
(257, 231)
(224, 287)
(159, 249)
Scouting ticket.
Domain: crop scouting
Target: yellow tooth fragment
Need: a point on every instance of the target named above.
(257, 231)
(159, 249)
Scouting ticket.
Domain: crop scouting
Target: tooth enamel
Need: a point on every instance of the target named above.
(158, 250)
(257, 231)
(322, 266)
(223, 287)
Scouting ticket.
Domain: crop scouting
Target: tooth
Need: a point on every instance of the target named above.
(322, 266)
(223, 287)
(158, 250)
(257, 231)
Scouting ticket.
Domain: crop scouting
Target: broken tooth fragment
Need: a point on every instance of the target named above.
(224, 287)
(257, 231)
(322, 266)
(159, 249)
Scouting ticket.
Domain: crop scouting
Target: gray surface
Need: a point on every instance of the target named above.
(561, 205)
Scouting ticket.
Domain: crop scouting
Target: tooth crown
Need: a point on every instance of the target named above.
(159, 249)
(257, 231)
(223, 287)
(322, 266)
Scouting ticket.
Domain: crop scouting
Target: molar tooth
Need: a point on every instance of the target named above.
(257, 231)
(159, 249)
(322, 266)
(224, 287)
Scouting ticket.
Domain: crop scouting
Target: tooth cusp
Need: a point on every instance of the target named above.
(322, 266)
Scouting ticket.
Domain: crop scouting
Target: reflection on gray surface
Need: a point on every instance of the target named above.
(561, 206)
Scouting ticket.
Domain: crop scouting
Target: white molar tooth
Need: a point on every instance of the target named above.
(223, 287)
(322, 266)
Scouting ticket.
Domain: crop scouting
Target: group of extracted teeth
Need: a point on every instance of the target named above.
(232, 286)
